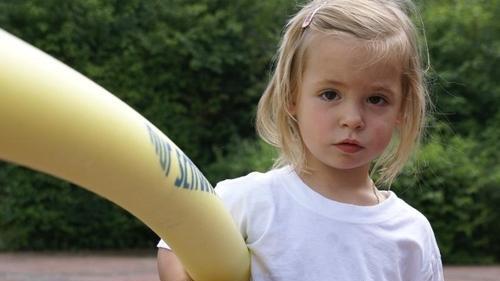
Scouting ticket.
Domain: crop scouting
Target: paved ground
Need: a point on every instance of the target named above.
(139, 267)
(77, 267)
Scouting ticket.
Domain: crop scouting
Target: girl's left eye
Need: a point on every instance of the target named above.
(377, 100)
(330, 95)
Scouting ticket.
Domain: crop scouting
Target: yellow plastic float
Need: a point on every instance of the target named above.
(55, 120)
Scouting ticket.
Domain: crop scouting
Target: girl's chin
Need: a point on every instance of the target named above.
(349, 166)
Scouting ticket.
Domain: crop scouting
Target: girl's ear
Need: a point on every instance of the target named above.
(292, 108)
(292, 111)
(399, 120)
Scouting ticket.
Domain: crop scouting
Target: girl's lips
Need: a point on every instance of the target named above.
(349, 147)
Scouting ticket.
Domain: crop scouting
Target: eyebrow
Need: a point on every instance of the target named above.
(329, 81)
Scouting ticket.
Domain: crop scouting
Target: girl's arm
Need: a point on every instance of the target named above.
(170, 267)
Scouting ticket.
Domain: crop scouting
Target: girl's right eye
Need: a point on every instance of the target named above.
(329, 95)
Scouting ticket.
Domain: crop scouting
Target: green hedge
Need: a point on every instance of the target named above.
(39, 212)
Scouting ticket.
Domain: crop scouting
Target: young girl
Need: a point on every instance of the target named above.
(346, 99)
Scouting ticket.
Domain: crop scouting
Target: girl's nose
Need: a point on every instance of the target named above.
(352, 117)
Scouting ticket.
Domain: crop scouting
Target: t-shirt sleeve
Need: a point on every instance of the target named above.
(437, 269)
(435, 266)
(233, 197)
(436, 263)
(162, 244)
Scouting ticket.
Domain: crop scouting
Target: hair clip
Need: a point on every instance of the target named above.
(309, 18)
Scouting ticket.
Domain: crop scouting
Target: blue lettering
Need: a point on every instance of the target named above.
(189, 176)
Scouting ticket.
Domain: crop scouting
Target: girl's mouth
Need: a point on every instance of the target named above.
(349, 146)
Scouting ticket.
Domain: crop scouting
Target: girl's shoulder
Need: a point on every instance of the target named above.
(252, 184)
(256, 186)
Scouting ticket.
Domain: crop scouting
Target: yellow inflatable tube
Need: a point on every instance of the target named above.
(55, 120)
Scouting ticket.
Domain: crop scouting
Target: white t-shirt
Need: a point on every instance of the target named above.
(294, 233)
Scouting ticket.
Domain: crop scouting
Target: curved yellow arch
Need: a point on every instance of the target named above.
(55, 120)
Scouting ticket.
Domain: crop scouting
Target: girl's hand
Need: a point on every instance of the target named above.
(170, 268)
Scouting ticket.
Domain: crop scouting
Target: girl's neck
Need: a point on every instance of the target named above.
(352, 186)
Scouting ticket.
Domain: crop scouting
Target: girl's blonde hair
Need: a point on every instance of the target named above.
(387, 29)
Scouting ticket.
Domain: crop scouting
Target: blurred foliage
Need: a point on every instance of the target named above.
(464, 46)
(196, 70)
(458, 184)
(243, 157)
(39, 212)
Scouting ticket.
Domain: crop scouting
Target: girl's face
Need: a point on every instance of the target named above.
(346, 109)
